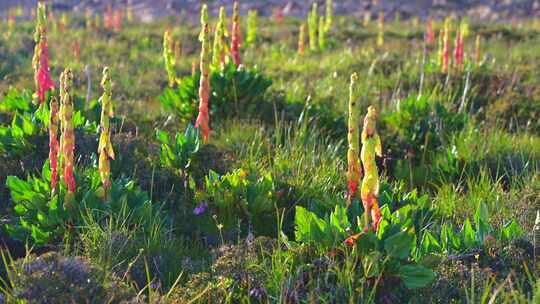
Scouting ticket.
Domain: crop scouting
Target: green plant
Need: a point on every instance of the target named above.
(419, 128)
(387, 253)
(232, 91)
(44, 218)
(179, 153)
(240, 195)
(481, 235)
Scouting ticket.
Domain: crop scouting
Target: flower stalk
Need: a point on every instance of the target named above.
(54, 145)
(458, 51)
(354, 171)
(236, 39)
(203, 119)
(67, 141)
(105, 148)
(446, 48)
(312, 27)
(169, 58)
(252, 24)
(329, 15)
(477, 51)
(380, 35)
(219, 53)
(430, 34)
(40, 61)
(371, 146)
(322, 33)
(302, 40)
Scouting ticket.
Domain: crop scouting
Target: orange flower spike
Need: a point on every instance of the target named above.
(354, 171)
(54, 145)
(203, 120)
(117, 18)
(371, 146)
(302, 40)
(446, 47)
(68, 133)
(477, 51)
(105, 148)
(430, 34)
(236, 39)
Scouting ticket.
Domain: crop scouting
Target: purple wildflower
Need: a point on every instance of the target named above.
(200, 209)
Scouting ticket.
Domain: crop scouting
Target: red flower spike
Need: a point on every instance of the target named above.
(44, 80)
(236, 39)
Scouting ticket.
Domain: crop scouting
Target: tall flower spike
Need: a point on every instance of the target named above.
(366, 19)
(105, 148)
(430, 34)
(458, 51)
(302, 40)
(354, 171)
(236, 39)
(252, 24)
(477, 51)
(380, 36)
(312, 27)
(371, 146)
(220, 45)
(203, 120)
(54, 145)
(329, 15)
(40, 62)
(177, 51)
(322, 33)
(446, 48)
(441, 46)
(68, 134)
(118, 15)
(168, 56)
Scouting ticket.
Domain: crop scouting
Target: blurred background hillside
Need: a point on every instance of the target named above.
(147, 10)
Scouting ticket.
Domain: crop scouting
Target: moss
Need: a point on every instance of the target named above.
(232, 275)
(53, 278)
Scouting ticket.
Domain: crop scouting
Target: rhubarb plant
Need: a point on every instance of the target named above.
(203, 119)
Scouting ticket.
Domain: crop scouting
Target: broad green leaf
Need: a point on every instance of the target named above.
(399, 245)
(415, 276)
(468, 234)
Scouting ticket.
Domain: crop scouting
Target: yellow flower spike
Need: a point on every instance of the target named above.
(312, 21)
(220, 46)
(105, 148)
(252, 22)
(322, 33)
(371, 146)
(329, 14)
(354, 168)
(168, 56)
(380, 35)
